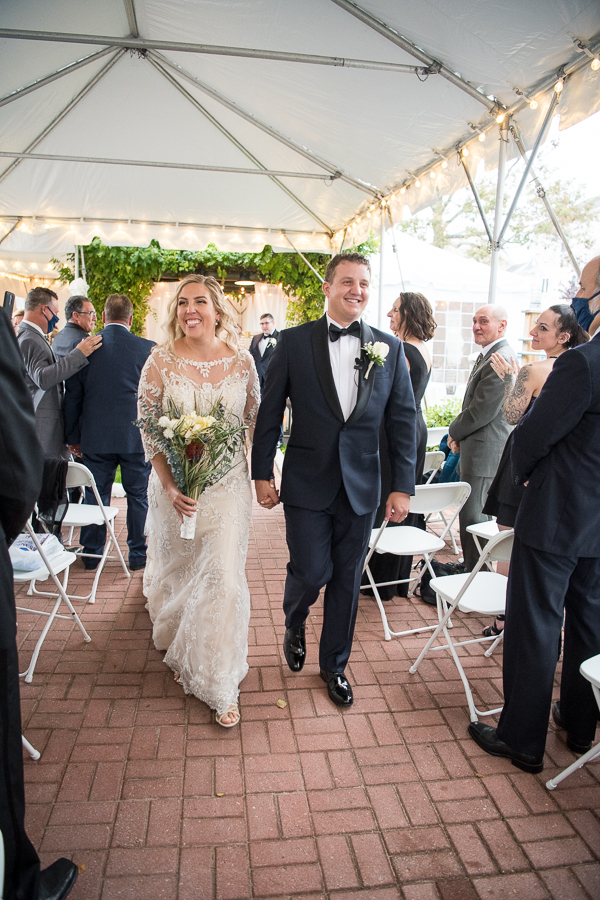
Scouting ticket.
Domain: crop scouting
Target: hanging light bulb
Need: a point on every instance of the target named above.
(500, 118)
(481, 136)
(559, 86)
(417, 183)
(368, 215)
(403, 189)
(445, 164)
(595, 64)
(433, 174)
(464, 152)
(533, 104)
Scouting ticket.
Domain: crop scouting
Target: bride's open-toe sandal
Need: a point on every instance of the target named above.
(493, 630)
(232, 713)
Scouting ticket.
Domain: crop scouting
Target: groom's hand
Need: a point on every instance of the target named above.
(266, 494)
(397, 507)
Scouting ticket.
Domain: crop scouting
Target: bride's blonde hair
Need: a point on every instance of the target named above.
(225, 327)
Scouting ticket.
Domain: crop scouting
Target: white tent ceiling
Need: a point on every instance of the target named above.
(226, 104)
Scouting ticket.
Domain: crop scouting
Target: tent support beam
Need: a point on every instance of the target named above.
(48, 79)
(235, 142)
(295, 249)
(138, 43)
(56, 157)
(532, 155)
(99, 75)
(433, 65)
(477, 198)
(544, 197)
(334, 170)
(131, 18)
(10, 230)
(495, 247)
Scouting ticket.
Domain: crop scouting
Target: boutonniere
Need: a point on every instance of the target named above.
(376, 354)
(272, 342)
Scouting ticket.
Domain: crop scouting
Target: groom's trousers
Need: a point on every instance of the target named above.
(327, 547)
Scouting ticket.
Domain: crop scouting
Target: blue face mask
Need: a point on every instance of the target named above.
(582, 310)
(51, 322)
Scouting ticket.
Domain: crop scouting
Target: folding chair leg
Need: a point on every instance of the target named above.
(493, 646)
(34, 754)
(591, 754)
(118, 549)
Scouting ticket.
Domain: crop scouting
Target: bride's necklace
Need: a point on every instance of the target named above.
(204, 366)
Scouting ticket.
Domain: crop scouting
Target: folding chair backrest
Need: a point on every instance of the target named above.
(79, 476)
(434, 460)
(433, 498)
(500, 547)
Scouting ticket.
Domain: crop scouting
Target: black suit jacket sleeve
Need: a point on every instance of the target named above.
(400, 428)
(21, 458)
(270, 413)
(72, 406)
(562, 402)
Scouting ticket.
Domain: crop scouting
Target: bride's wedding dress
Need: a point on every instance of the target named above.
(196, 590)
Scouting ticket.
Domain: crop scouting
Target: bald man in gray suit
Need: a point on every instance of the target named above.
(480, 431)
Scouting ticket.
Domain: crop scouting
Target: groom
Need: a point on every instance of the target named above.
(331, 476)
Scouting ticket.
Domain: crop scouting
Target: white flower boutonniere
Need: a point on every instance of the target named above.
(376, 354)
(272, 342)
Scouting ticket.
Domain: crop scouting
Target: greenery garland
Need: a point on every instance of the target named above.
(134, 270)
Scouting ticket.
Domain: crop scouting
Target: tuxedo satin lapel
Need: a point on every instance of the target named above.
(365, 386)
(320, 344)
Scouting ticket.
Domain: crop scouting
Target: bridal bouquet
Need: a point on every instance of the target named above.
(200, 448)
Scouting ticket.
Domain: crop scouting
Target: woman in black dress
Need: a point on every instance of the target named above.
(411, 320)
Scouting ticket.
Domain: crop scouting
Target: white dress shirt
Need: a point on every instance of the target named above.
(262, 344)
(342, 355)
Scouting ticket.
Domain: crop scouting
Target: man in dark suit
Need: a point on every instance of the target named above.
(100, 408)
(21, 467)
(46, 374)
(263, 345)
(480, 431)
(331, 474)
(81, 321)
(555, 566)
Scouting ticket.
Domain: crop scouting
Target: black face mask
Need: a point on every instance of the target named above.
(582, 310)
(51, 322)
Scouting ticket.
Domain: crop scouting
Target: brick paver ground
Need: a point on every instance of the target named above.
(388, 800)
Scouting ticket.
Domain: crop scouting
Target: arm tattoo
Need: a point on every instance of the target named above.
(516, 400)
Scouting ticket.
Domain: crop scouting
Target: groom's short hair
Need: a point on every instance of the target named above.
(345, 257)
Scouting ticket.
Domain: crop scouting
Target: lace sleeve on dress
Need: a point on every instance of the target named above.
(150, 394)
(252, 395)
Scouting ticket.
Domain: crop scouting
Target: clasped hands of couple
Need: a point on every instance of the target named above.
(397, 506)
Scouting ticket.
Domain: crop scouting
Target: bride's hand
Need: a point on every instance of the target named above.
(501, 367)
(183, 506)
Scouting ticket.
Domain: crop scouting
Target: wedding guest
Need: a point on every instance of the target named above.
(586, 301)
(331, 477)
(81, 321)
(555, 331)
(263, 345)
(411, 320)
(21, 465)
(197, 593)
(46, 374)
(17, 318)
(100, 408)
(555, 566)
(480, 430)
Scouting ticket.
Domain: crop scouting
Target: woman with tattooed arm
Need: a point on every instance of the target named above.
(555, 331)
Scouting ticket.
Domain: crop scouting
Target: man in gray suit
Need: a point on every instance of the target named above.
(480, 431)
(81, 321)
(45, 376)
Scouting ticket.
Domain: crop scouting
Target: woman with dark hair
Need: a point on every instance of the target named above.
(411, 320)
(555, 331)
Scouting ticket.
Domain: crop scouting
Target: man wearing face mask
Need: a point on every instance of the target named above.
(586, 302)
(45, 376)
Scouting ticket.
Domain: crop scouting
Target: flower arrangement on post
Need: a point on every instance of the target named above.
(376, 354)
(200, 448)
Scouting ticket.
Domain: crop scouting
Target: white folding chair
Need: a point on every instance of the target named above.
(49, 568)
(410, 541)
(486, 531)
(480, 592)
(34, 754)
(80, 514)
(434, 462)
(440, 514)
(435, 435)
(590, 669)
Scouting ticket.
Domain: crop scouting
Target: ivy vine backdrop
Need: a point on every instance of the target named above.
(134, 270)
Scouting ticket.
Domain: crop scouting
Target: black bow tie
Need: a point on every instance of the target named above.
(335, 332)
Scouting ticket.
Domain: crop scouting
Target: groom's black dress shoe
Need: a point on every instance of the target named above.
(338, 688)
(57, 880)
(486, 737)
(572, 744)
(294, 647)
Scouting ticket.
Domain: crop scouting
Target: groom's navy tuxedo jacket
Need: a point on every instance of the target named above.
(325, 451)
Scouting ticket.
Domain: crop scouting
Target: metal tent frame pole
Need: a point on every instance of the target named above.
(299, 252)
(498, 212)
(540, 190)
(48, 79)
(477, 198)
(380, 293)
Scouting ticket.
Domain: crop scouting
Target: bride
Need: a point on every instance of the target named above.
(196, 590)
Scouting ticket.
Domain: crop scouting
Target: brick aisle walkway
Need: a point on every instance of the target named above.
(389, 800)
